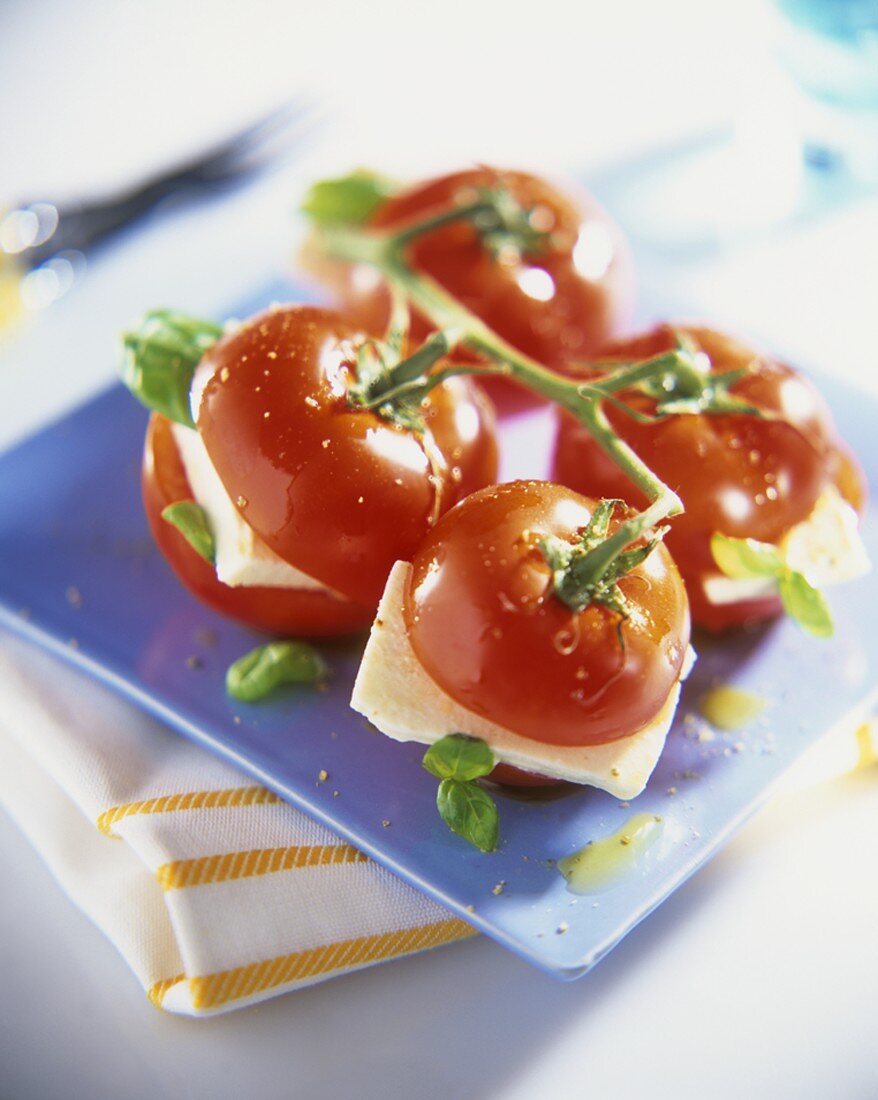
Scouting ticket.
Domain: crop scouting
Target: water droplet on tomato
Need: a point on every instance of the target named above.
(567, 639)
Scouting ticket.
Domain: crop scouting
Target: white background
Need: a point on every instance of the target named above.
(760, 977)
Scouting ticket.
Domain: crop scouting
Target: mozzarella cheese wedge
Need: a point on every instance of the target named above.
(721, 590)
(242, 558)
(826, 548)
(395, 693)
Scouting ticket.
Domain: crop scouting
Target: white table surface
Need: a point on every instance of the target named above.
(760, 976)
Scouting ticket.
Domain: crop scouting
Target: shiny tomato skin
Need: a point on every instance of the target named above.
(301, 612)
(461, 419)
(556, 306)
(737, 474)
(487, 628)
(338, 492)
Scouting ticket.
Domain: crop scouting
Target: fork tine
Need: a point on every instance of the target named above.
(215, 162)
(258, 144)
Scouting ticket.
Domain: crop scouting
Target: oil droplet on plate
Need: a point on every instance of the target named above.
(867, 746)
(602, 863)
(729, 708)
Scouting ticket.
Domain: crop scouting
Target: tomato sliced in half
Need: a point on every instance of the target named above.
(487, 627)
(740, 475)
(276, 610)
(339, 492)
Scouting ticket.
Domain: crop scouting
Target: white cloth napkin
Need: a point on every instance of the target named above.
(216, 892)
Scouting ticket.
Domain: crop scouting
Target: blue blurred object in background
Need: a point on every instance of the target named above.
(830, 49)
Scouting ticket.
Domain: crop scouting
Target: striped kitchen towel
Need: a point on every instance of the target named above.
(216, 892)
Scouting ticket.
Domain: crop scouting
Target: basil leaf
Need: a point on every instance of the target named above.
(470, 812)
(262, 670)
(458, 757)
(805, 604)
(745, 557)
(191, 521)
(160, 357)
(349, 200)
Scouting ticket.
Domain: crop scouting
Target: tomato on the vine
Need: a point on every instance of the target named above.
(740, 475)
(309, 612)
(485, 622)
(337, 491)
(557, 304)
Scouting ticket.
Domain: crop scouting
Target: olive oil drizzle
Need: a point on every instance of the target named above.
(730, 708)
(602, 863)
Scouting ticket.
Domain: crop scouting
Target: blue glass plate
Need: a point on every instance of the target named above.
(70, 516)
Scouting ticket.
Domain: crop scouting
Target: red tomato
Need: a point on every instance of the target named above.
(485, 624)
(739, 475)
(338, 492)
(277, 610)
(556, 306)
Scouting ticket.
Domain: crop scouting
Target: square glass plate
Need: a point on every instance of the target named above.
(71, 517)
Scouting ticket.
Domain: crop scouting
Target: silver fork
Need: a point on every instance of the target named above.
(37, 234)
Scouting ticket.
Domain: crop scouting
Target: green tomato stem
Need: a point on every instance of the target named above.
(386, 253)
(421, 388)
(417, 364)
(627, 375)
(472, 210)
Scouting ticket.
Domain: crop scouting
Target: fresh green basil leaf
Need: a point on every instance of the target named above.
(470, 812)
(160, 357)
(191, 521)
(745, 557)
(262, 670)
(458, 757)
(349, 200)
(805, 604)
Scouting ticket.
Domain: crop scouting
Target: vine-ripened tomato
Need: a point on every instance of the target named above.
(487, 627)
(336, 491)
(557, 305)
(740, 475)
(308, 612)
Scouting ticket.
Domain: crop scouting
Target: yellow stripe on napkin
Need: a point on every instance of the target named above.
(183, 873)
(211, 991)
(189, 800)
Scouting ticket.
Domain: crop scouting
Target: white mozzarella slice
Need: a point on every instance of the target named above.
(826, 548)
(721, 590)
(242, 558)
(395, 693)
